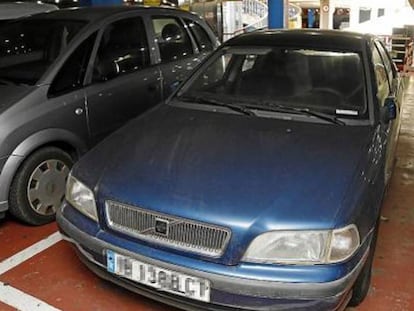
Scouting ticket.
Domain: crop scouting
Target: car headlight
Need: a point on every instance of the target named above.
(344, 242)
(81, 197)
(304, 247)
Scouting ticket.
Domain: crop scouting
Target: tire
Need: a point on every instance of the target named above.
(363, 281)
(38, 188)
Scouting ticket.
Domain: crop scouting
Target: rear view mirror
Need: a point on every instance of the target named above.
(389, 110)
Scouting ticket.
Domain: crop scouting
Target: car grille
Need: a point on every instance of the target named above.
(175, 232)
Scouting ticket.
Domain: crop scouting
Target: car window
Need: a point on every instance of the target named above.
(29, 46)
(72, 73)
(380, 75)
(123, 49)
(386, 60)
(203, 40)
(327, 81)
(172, 38)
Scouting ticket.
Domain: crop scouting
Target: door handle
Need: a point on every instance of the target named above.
(78, 111)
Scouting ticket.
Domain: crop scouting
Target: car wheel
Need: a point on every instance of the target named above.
(363, 282)
(38, 187)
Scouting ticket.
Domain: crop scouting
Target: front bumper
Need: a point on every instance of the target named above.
(227, 293)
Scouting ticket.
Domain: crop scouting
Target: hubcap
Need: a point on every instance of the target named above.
(46, 187)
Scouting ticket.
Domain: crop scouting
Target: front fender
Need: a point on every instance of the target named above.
(363, 200)
(25, 148)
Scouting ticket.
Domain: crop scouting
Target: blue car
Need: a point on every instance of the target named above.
(257, 186)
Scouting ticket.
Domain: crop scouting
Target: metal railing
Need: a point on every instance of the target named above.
(254, 16)
(257, 9)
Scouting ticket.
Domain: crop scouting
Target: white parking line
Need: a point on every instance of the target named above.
(29, 252)
(22, 301)
(15, 297)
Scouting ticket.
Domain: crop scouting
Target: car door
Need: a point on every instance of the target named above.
(178, 52)
(123, 83)
(386, 88)
(66, 93)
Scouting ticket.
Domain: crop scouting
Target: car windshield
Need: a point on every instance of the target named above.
(329, 82)
(29, 46)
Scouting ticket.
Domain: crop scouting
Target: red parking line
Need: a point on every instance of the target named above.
(57, 277)
(15, 237)
(4, 307)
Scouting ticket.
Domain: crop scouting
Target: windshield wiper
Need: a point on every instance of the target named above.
(304, 111)
(214, 102)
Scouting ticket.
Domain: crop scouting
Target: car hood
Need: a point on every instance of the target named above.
(11, 94)
(19, 9)
(248, 174)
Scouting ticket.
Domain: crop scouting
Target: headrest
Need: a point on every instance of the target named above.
(171, 32)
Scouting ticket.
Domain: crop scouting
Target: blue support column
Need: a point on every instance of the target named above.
(311, 17)
(276, 13)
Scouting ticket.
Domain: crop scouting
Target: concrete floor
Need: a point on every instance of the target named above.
(38, 271)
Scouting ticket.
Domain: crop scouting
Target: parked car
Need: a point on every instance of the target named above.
(257, 186)
(70, 77)
(13, 10)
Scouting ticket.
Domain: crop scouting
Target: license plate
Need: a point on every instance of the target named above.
(159, 278)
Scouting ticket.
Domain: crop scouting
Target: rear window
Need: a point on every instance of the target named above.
(204, 42)
(28, 47)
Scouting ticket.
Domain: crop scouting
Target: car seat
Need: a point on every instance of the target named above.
(173, 45)
(268, 77)
(121, 51)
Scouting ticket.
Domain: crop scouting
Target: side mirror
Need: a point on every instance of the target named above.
(389, 111)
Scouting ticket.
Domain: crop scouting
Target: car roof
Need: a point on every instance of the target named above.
(12, 10)
(93, 14)
(303, 38)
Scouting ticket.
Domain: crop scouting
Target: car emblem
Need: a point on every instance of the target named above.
(161, 226)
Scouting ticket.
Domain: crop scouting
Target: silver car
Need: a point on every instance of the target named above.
(70, 77)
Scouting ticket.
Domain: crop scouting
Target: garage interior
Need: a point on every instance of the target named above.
(40, 271)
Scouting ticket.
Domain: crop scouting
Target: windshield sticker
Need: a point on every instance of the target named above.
(347, 112)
